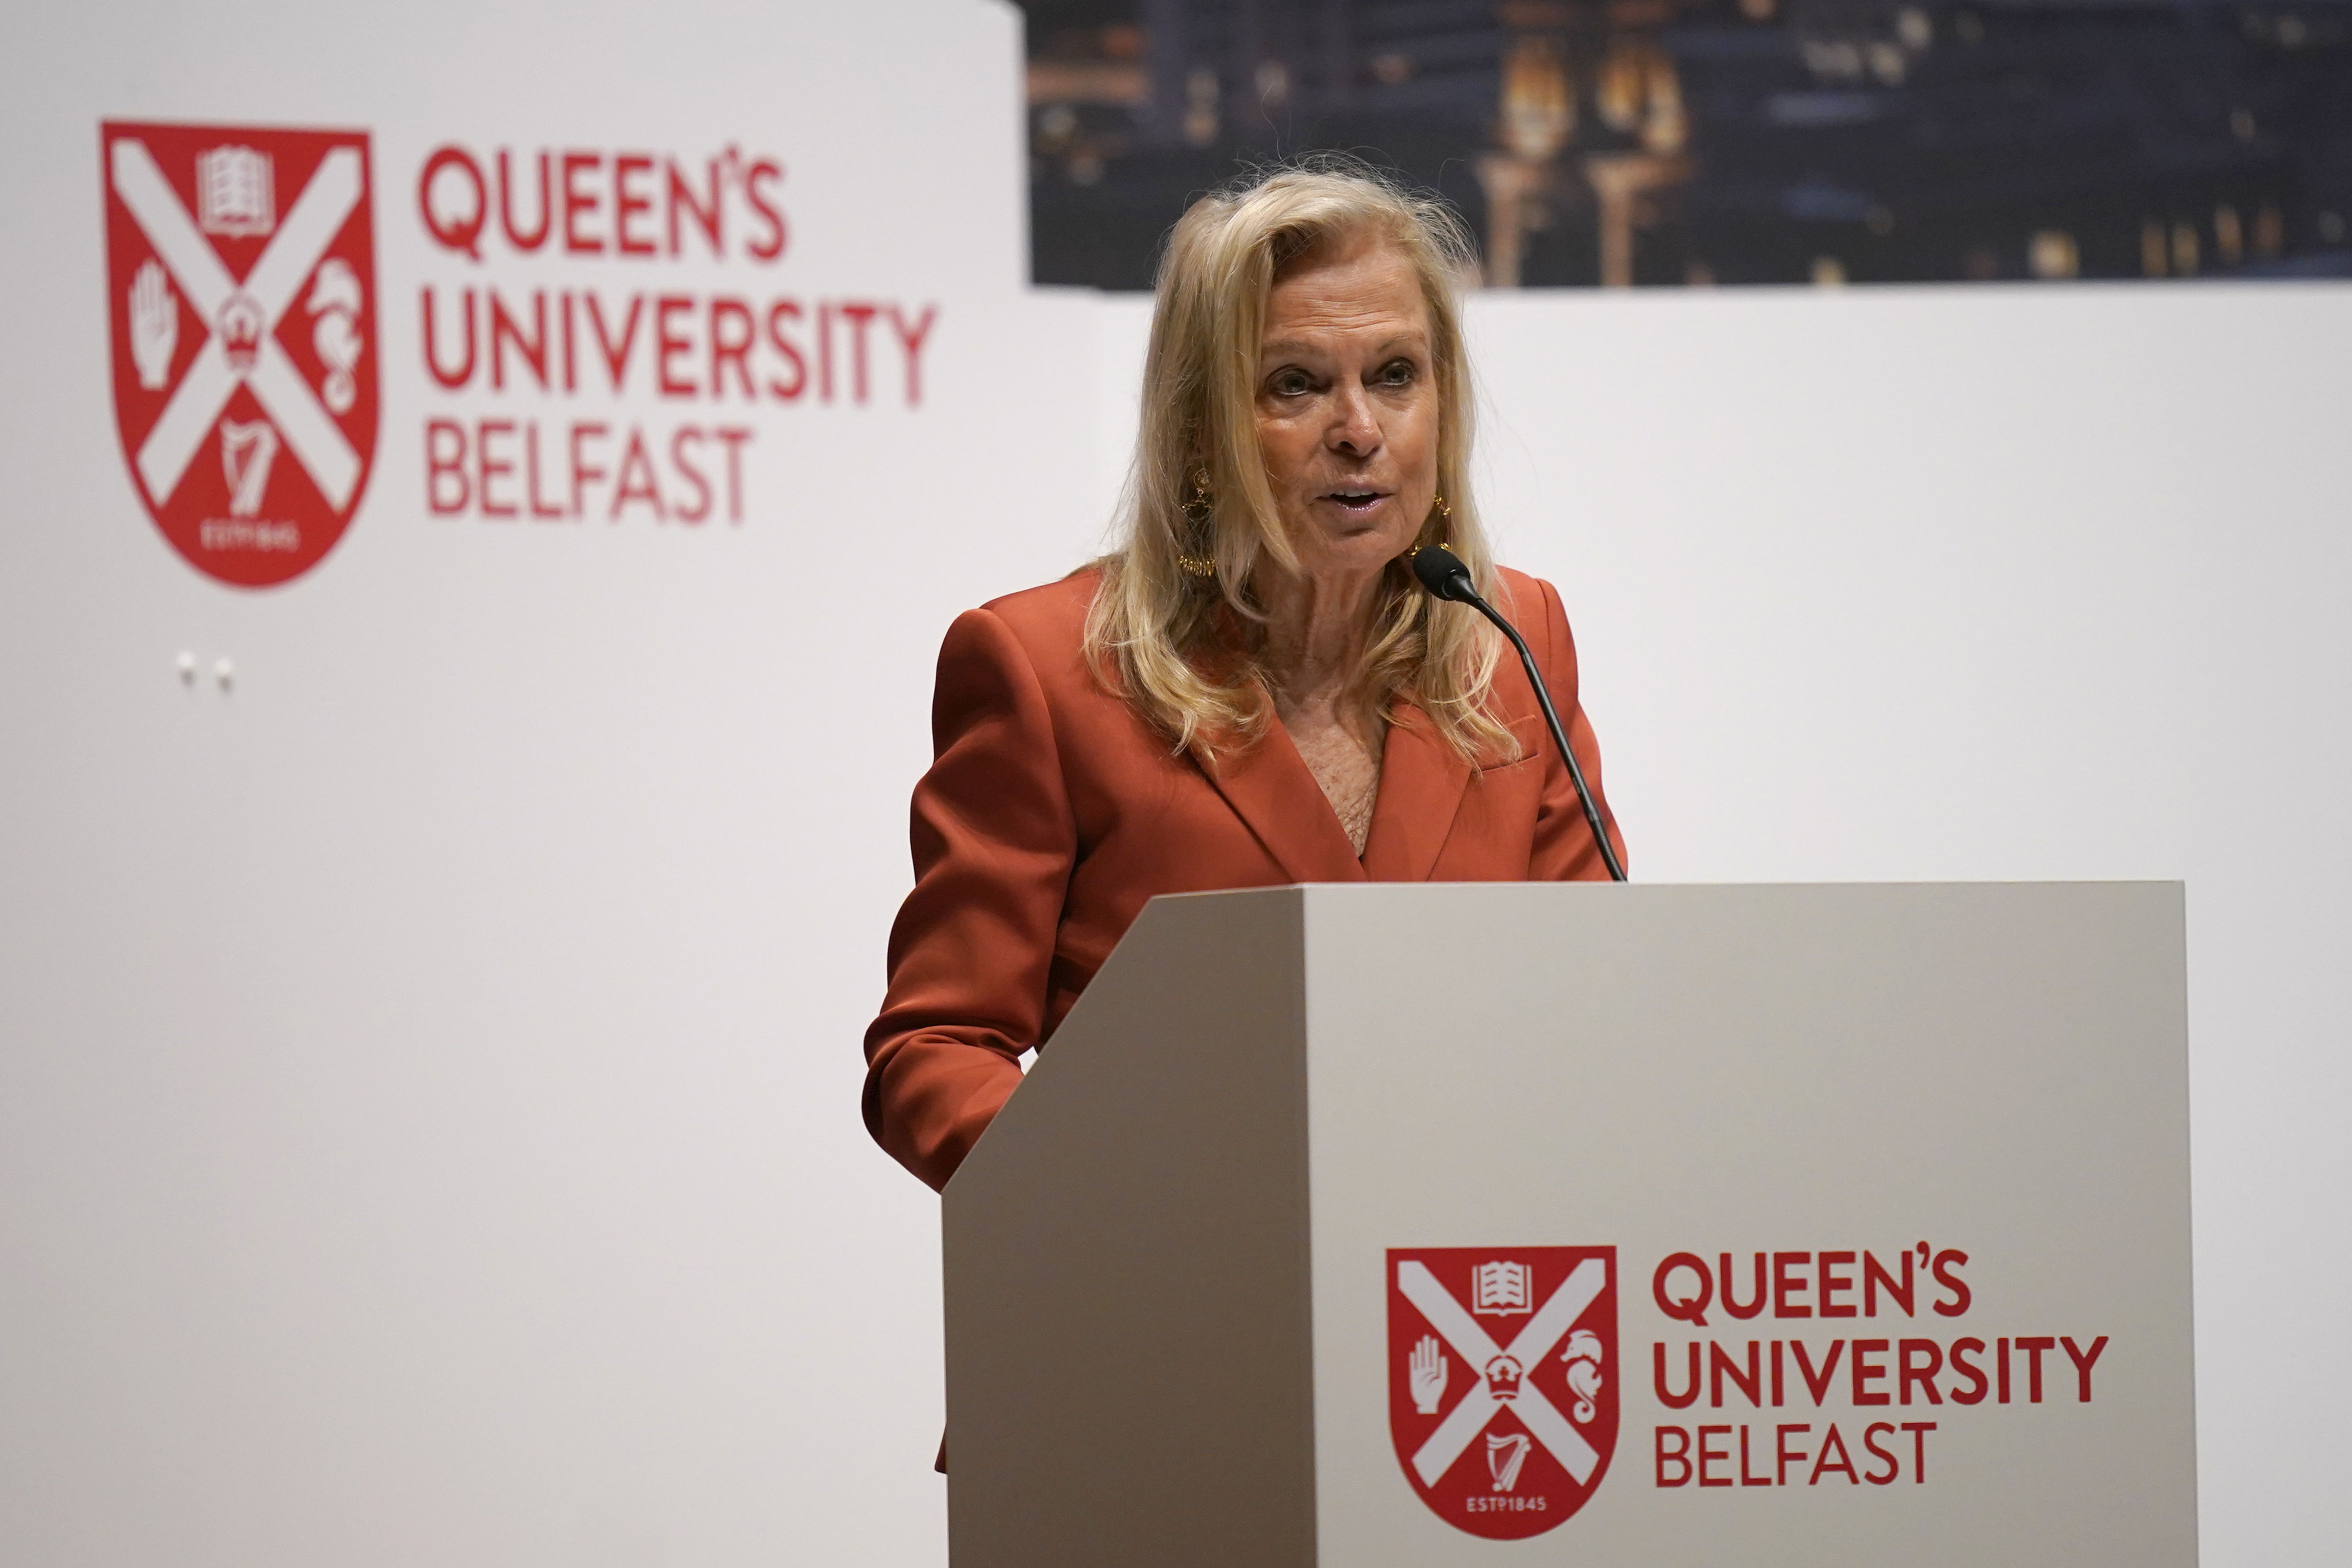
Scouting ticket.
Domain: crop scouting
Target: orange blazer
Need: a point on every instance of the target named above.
(1052, 812)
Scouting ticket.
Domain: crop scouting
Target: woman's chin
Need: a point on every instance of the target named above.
(1358, 553)
(1347, 526)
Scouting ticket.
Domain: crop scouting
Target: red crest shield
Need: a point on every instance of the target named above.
(1503, 1379)
(241, 290)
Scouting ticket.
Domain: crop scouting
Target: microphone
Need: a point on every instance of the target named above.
(1442, 572)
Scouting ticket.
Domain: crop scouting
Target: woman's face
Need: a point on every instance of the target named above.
(1347, 406)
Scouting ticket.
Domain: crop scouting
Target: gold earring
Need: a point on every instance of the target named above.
(1198, 511)
(1445, 528)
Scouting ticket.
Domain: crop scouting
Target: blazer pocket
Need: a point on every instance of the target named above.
(1528, 731)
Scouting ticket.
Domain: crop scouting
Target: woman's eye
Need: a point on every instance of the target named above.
(1290, 383)
(1397, 373)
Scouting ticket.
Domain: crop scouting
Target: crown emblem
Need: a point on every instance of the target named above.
(1502, 1376)
(241, 324)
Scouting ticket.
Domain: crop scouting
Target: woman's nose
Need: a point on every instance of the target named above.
(1354, 429)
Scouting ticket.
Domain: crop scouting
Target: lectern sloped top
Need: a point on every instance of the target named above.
(1396, 1225)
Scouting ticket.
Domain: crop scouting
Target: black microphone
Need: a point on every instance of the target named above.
(1442, 572)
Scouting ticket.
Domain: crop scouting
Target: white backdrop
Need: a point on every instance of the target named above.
(428, 1067)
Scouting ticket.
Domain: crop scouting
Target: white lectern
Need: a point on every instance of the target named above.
(1379, 1226)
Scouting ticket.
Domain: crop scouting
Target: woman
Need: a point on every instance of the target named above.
(1251, 690)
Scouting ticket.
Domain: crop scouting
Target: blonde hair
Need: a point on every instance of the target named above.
(1165, 637)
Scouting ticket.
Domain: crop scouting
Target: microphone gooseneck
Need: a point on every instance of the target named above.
(1442, 572)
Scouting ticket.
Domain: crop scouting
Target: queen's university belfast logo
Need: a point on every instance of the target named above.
(1503, 1381)
(241, 290)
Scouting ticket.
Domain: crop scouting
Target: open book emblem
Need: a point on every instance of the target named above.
(241, 290)
(1504, 1427)
(1501, 1287)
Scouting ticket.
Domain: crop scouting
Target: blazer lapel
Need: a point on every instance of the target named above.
(1270, 788)
(1421, 780)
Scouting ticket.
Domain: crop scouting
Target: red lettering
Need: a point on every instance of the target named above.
(1909, 1371)
(1689, 1308)
(748, 349)
(577, 202)
(2083, 1361)
(505, 329)
(824, 366)
(1874, 1277)
(616, 360)
(1720, 1366)
(1947, 1262)
(708, 218)
(464, 373)
(571, 377)
(626, 203)
(1832, 1282)
(1667, 1396)
(730, 347)
(1731, 1304)
(1784, 1456)
(452, 230)
(1707, 1456)
(668, 345)
(1919, 1430)
(1821, 1465)
(911, 341)
(1745, 1479)
(692, 475)
(539, 508)
(1777, 1370)
(1817, 1383)
(765, 169)
(1786, 1284)
(492, 468)
(515, 236)
(1963, 1367)
(1870, 1441)
(444, 459)
(474, 467)
(777, 312)
(2033, 1348)
(734, 437)
(859, 314)
(1865, 1372)
(582, 473)
(637, 481)
(1678, 1455)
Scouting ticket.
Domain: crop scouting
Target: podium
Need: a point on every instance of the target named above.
(1580, 1223)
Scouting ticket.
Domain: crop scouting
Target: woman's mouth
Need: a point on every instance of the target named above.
(1356, 503)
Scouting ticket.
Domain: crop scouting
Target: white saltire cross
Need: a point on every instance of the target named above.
(1535, 1342)
(293, 252)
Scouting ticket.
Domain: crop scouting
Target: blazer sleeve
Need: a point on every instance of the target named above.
(995, 842)
(1564, 845)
